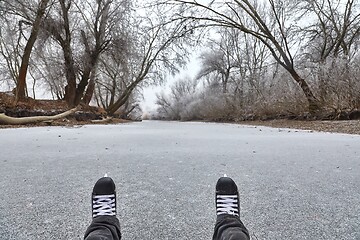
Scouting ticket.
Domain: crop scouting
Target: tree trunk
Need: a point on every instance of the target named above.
(89, 92)
(314, 104)
(70, 89)
(82, 86)
(21, 83)
(123, 98)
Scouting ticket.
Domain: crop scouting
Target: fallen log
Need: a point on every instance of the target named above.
(26, 120)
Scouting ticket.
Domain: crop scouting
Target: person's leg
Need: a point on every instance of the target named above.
(105, 225)
(228, 224)
(103, 228)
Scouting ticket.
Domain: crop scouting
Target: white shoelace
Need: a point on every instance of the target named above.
(227, 204)
(104, 205)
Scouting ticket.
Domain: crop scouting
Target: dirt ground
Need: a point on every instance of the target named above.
(348, 127)
(87, 114)
(344, 126)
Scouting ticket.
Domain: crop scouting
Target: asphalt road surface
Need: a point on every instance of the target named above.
(293, 184)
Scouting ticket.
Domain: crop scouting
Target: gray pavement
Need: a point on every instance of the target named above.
(293, 184)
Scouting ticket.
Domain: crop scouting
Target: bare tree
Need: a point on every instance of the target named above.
(219, 60)
(113, 68)
(10, 51)
(332, 46)
(271, 28)
(239, 63)
(21, 83)
(96, 19)
(101, 39)
(158, 50)
(175, 105)
(336, 30)
(60, 30)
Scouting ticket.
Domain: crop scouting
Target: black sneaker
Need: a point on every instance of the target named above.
(227, 197)
(104, 198)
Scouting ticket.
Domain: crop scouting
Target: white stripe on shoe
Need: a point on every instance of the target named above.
(104, 205)
(227, 204)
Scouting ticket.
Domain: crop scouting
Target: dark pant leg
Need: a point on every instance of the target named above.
(103, 228)
(230, 228)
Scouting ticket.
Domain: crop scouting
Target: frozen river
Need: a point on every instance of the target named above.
(293, 184)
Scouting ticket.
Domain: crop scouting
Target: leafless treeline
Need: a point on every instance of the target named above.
(257, 57)
(268, 58)
(100, 50)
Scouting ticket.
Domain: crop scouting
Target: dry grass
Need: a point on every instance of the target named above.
(349, 126)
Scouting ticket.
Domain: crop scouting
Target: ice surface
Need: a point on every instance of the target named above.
(293, 184)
